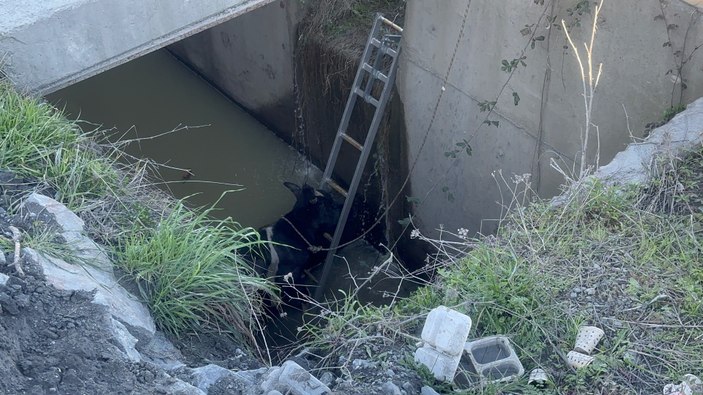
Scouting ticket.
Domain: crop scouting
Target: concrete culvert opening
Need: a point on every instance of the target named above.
(174, 108)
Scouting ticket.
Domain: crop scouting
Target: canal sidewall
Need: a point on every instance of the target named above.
(298, 87)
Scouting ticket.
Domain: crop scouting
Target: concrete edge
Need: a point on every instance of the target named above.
(157, 43)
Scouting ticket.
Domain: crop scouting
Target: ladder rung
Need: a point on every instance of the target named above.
(367, 98)
(375, 42)
(389, 51)
(375, 73)
(392, 37)
(392, 25)
(349, 139)
(337, 187)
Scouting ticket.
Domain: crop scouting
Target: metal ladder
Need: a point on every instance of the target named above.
(382, 46)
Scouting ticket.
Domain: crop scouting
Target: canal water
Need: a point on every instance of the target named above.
(220, 144)
(179, 120)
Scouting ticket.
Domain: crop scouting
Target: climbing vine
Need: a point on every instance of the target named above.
(681, 58)
(534, 33)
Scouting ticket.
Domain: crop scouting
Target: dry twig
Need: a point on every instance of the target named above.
(16, 239)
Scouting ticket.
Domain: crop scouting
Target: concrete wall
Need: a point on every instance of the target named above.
(640, 42)
(251, 60)
(47, 45)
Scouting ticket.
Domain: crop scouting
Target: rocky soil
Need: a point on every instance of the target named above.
(69, 328)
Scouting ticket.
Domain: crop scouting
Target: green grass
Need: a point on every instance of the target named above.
(671, 112)
(37, 141)
(192, 271)
(627, 260)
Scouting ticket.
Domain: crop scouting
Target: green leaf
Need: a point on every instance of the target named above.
(486, 105)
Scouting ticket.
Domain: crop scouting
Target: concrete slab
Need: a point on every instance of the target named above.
(697, 3)
(291, 378)
(121, 304)
(50, 44)
(632, 166)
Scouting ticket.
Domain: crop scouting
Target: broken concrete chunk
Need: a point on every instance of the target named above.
(108, 292)
(125, 340)
(160, 351)
(205, 376)
(428, 391)
(389, 388)
(70, 228)
(179, 387)
(292, 378)
(683, 132)
(53, 213)
(87, 251)
(251, 377)
(694, 383)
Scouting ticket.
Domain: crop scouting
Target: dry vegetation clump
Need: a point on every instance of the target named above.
(345, 24)
(626, 260)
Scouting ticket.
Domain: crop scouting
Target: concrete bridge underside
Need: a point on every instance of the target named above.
(49, 44)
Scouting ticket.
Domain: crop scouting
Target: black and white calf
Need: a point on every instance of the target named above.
(292, 244)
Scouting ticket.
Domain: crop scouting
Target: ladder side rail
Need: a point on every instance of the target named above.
(377, 63)
(348, 109)
(339, 230)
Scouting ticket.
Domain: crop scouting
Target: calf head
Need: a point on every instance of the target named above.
(315, 212)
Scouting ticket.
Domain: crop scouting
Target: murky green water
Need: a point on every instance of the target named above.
(222, 144)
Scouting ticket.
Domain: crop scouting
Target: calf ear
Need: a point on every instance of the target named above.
(293, 188)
